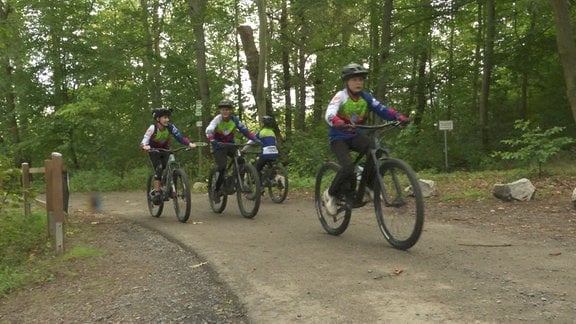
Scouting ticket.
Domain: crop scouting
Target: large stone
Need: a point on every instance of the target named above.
(521, 190)
(428, 188)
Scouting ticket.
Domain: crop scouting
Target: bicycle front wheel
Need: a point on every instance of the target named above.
(248, 191)
(155, 209)
(217, 200)
(180, 195)
(277, 182)
(333, 224)
(399, 204)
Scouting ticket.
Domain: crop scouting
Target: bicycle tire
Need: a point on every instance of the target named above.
(181, 195)
(216, 207)
(155, 210)
(400, 212)
(332, 224)
(277, 182)
(249, 192)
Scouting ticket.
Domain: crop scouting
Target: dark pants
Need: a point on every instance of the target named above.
(344, 183)
(221, 156)
(158, 160)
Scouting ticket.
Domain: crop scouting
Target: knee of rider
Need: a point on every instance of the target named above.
(348, 169)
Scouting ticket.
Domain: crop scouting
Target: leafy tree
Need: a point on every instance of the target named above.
(535, 146)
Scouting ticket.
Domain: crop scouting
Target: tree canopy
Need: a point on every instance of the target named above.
(81, 77)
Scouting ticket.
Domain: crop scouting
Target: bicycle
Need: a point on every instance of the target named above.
(397, 197)
(274, 179)
(241, 178)
(174, 185)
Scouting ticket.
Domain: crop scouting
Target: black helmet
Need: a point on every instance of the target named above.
(159, 112)
(225, 103)
(268, 121)
(353, 69)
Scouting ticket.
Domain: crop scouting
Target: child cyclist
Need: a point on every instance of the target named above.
(351, 106)
(222, 129)
(267, 136)
(158, 135)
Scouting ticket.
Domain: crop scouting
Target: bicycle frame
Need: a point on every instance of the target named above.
(375, 154)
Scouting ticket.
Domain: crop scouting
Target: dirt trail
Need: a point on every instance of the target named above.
(284, 268)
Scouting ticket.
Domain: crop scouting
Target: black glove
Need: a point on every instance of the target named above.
(215, 143)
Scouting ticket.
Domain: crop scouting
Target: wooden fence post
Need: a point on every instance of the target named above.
(26, 187)
(55, 200)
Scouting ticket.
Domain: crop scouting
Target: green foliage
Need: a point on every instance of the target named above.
(534, 145)
(107, 180)
(11, 187)
(22, 239)
(306, 151)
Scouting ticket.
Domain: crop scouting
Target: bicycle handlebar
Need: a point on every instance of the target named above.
(390, 124)
(159, 149)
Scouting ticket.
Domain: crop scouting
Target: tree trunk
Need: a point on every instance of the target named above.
(252, 56)
(150, 57)
(197, 9)
(487, 72)
(382, 85)
(263, 40)
(566, 48)
(286, 75)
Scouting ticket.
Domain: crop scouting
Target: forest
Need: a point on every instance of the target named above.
(81, 77)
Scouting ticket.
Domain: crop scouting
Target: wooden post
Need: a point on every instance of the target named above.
(26, 187)
(49, 208)
(55, 200)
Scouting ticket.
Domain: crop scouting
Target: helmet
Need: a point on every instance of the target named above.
(268, 121)
(159, 112)
(353, 69)
(225, 103)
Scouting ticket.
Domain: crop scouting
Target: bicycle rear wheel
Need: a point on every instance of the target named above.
(155, 210)
(332, 224)
(277, 182)
(181, 195)
(399, 204)
(248, 192)
(220, 205)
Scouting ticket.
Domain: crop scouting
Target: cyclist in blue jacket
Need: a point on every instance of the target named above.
(351, 106)
(267, 136)
(158, 135)
(222, 129)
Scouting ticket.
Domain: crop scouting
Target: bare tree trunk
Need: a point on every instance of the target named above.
(152, 48)
(263, 40)
(382, 85)
(252, 56)
(197, 10)
(566, 48)
(487, 72)
(286, 75)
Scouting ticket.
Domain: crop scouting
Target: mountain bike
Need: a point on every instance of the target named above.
(241, 178)
(397, 197)
(274, 179)
(174, 185)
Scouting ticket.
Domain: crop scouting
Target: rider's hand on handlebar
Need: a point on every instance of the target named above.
(339, 124)
(192, 145)
(146, 148)
(403, 119)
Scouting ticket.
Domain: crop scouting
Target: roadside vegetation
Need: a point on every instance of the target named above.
(28, 256)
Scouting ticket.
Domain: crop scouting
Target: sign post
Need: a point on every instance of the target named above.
(445, 125)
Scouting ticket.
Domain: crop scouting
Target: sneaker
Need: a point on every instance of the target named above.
(329, 203)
